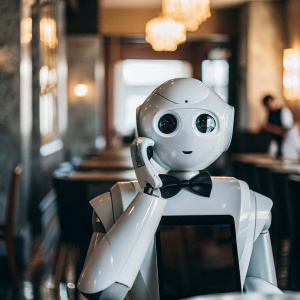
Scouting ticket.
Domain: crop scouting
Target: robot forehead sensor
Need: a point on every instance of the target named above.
(183, 90)
(185, 99)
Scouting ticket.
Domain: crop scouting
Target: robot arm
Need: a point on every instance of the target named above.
(113, 263)
(261, 275)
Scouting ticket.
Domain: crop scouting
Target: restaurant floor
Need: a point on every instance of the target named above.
(38, 283)
(38, 278)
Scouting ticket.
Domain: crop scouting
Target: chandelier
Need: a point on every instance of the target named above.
(165, 34)
(191, 13)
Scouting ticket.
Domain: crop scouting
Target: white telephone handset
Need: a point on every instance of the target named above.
(145, 172)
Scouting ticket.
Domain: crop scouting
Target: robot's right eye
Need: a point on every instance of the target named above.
(205, 123)
(167, 124)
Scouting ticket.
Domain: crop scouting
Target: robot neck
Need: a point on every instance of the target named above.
(183, 175)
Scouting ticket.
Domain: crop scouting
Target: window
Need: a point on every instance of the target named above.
(215, 73)
(135, 79)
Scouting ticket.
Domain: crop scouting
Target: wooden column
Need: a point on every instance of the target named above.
(112, 55)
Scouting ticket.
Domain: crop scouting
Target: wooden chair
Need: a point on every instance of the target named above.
(264, 180)
(7, 227)
(280, 226)
(294, 257)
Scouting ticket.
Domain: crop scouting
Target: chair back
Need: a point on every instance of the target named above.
(280, 227)
(12, 198)
(294, 257)
(251, 175)
(264, 180)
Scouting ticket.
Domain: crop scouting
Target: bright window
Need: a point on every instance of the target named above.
(135, 79)
(137, 72)
(215, 73)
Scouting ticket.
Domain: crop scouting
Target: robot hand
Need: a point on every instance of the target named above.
(141, 152)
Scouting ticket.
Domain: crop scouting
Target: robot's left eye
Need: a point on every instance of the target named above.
(205, 123)
(167, 123)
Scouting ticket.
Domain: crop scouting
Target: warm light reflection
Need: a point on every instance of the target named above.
(71, 285)
(44, 74)
(81, 90)
(48, 32)
(291, 74)
(164, 34)
(26, 30)
(191, 13)
(46, 114)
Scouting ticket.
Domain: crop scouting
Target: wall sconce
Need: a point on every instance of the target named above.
(81, 90)
(26, 30)
(48, 32)
(291, 75)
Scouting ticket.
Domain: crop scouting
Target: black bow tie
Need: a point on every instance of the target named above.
(201, 184)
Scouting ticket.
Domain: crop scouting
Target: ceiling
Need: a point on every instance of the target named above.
(157, 3)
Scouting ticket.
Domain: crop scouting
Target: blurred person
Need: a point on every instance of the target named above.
(291, 144)
(280, 124)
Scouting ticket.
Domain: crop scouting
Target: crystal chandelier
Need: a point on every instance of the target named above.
(165, 34)
(191, 13)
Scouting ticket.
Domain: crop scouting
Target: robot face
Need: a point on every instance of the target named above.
(189, 123)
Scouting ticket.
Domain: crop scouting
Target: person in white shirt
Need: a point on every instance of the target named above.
(285, 137)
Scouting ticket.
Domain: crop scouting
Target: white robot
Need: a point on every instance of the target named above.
(184, 233)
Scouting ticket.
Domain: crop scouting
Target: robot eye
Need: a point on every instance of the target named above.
(167, 124)
(205, 123)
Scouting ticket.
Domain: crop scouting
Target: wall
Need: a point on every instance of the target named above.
(293, 23)
(260, 60)
(241, 109)
(85, 65)
(20, 138)
(293, 41)
(10, 154)
(115, 22)
(42, 165)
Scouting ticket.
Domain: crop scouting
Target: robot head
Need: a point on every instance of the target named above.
(189, 123)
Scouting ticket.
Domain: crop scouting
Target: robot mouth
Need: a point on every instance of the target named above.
(187, 152)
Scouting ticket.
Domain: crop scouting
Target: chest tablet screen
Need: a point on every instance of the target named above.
(197, 255)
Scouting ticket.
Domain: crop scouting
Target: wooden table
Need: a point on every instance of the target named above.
(94, 164)
(113, 153)
(97, 176)
(255, 158)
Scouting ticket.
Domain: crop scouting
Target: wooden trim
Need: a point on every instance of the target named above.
(112, 55)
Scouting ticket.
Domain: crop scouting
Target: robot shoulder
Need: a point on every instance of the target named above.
(122, 194)
(263, 213)
(102, 206)
(257, 205)
(262, 207)
(110, 206)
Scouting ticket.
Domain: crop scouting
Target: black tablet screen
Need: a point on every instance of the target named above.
(197, 255)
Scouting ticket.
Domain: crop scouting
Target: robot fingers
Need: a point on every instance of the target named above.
(141, 153)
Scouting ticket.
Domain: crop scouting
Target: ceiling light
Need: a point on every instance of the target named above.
(191, 13)
(165, 34)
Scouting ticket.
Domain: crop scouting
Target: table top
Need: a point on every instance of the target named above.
(289, 295)
(95, 176)
(262, 159)
(112, 153)
(82, 164)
